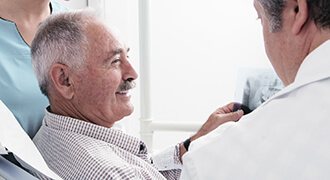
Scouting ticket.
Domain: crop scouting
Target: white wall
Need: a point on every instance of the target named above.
(197, 48)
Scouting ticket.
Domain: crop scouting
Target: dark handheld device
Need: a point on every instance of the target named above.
(239, 106)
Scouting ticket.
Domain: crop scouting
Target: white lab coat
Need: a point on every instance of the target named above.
(287, 137)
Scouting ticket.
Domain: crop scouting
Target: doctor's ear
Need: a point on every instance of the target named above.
(61, 80)
(301, 16)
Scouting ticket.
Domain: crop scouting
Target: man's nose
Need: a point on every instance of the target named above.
(130, 73)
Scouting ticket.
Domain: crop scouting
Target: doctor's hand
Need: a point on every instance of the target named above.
(218, 117)
(221, 115)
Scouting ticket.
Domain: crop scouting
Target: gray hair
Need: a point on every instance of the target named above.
(319, 12)
(60, 39)
(273, 10)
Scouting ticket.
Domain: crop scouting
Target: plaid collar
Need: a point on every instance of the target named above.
(111, 135)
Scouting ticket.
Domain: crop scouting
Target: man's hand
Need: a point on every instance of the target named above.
(218, 117)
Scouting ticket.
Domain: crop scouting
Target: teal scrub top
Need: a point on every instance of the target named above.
(19, 89)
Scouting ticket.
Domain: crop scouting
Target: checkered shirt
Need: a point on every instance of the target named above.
(76, 149)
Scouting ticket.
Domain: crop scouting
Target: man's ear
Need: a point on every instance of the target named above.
(61, 80)
(301, 16)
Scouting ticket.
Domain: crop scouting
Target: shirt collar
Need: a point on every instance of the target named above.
(313, 68)
(110, 135)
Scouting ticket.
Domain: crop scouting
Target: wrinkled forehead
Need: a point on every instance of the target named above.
(97, 30)
(103, 38)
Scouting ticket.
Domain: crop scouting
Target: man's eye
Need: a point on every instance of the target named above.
(115, 61)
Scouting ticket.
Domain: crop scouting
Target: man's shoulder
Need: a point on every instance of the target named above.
(73, 155)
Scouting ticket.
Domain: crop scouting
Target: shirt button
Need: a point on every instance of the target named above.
(141, 147)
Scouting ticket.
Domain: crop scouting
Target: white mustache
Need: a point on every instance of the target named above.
(127, 85)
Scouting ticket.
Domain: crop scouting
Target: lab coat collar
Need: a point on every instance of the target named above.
(315, 67)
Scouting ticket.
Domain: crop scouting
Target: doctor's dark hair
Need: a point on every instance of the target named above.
(319, 12)
(59, 39)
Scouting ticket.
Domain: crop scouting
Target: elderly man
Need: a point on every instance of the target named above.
(287, 137)
(82, 67)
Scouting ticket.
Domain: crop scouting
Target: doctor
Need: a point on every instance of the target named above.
(288, 136)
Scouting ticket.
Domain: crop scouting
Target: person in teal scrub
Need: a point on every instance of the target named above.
(19, 90)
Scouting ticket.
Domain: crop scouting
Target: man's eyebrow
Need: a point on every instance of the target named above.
(118, 51)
